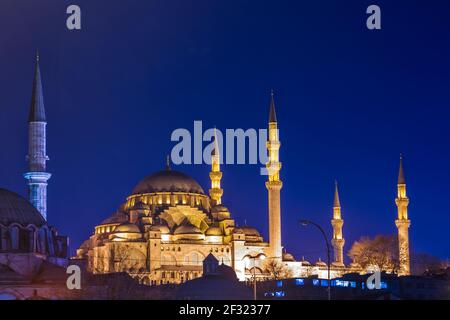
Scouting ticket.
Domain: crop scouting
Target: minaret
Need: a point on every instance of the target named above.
(37, 155)
(274, 184)
(215, 175)
(402, 222)
(337, 223)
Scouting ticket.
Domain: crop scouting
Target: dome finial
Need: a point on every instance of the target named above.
(168, 163)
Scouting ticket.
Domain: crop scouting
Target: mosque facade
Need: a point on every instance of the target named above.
(168, 225)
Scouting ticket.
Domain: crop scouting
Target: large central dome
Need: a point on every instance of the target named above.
(168, 181)
(15, 209)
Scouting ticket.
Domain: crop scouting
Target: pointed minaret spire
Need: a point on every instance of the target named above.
(37, 110)
(37, 149)
(272, 113)
(401, 174)
(337, 202)
(215, 151)
(337, 223)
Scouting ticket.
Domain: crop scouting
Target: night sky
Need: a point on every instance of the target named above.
(349, 101)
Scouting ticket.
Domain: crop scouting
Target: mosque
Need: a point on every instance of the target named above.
(166, 227)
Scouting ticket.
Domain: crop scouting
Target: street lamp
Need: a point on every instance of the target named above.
(307, 222)
(262, 257)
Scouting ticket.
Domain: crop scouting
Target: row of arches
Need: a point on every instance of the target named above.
(155, 200)
(17, 238)
(191, 259)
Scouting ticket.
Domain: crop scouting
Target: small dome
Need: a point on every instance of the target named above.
(187, 229)
(305, 262)
(320, 263)
(214, 231)
(16, 209)
(168, 181)
(288, 257)
(250, 231)
(238, 230)
(127, 228)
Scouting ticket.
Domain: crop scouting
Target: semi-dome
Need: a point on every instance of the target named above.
(168, 181)
(16, 209)
(187, 229)
(188, 232)
(250, 231)
(214, 231)
(126, 232)
(127, 228)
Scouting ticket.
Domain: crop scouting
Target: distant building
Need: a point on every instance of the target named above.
(219, 282)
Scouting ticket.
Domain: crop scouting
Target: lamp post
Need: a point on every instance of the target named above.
(307, 222)
(262, 257)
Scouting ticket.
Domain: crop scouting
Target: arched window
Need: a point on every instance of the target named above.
(31, 239)
(14, 234)
(42, 241)
(4, 239)
(168, 259)
(193, 259)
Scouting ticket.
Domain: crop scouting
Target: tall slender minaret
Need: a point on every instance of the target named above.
(215, 175)
(337, 223)
(274, 184)
(37, 156)
(402, 222)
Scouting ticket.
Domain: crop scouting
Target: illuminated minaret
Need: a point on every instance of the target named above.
(402, 222)
(37, 156)
(215, 175)
(337, 223)
(274, 184)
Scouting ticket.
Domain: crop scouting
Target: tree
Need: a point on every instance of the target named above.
(380, 252)
(422, 263)
(277, 270)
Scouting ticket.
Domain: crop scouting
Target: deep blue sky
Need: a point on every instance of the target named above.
(349, 100)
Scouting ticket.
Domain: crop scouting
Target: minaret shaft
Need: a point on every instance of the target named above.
(215, 175)
(274, 185)
(402, 223)
(37, 149)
